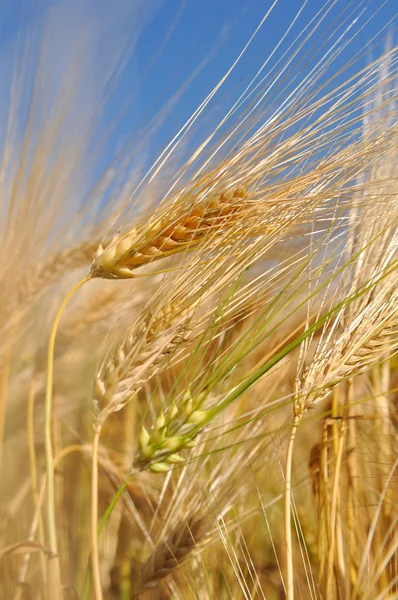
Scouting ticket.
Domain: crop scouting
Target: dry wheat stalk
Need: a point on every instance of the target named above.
(352, 352)
(361, 327)
(365, 325)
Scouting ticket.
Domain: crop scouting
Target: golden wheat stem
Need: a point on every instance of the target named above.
(94, 517)
(351, 502)
(33, 469)
(333, 513)
(18, 594)
(352, 489)
(380, 375)
(335, 411)
(54, 576)
(4, 377)
(323, 503)
(340, 555)
(288, 510)
(35, 493)
(36, 517)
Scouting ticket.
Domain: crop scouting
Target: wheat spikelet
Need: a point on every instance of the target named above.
(373, 333)
(190, 520)
(57, 265)
(365, 326)
(137, 357)
(172, 552)
(35, 282)
(177, 231)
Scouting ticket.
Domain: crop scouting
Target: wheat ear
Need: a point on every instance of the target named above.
(187, 520)
(178, 230)
(137, 358)
(172, 552)
(48, 271)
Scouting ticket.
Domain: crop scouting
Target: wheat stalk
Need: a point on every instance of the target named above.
(356, 335)
(363, 330)
(53, 574)
(148, 344)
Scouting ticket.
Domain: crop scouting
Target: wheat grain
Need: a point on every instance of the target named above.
(351, 353)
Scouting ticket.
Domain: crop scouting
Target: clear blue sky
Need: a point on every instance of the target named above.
(187, 45)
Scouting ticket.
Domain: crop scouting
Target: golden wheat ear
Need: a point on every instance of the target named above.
(179, 230)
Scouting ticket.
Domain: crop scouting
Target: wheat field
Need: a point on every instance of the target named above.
(198, 355)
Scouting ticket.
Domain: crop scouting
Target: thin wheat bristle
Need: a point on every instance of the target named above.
(172, 234)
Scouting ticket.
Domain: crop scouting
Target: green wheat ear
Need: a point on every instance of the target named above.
(173, 432)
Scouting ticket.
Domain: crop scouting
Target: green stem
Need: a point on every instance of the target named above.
(111, 506)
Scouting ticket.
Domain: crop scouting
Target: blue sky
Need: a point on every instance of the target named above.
(207, 36)
(219, 29)
(180, 49)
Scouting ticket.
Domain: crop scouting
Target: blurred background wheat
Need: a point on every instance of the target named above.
(199, 300)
